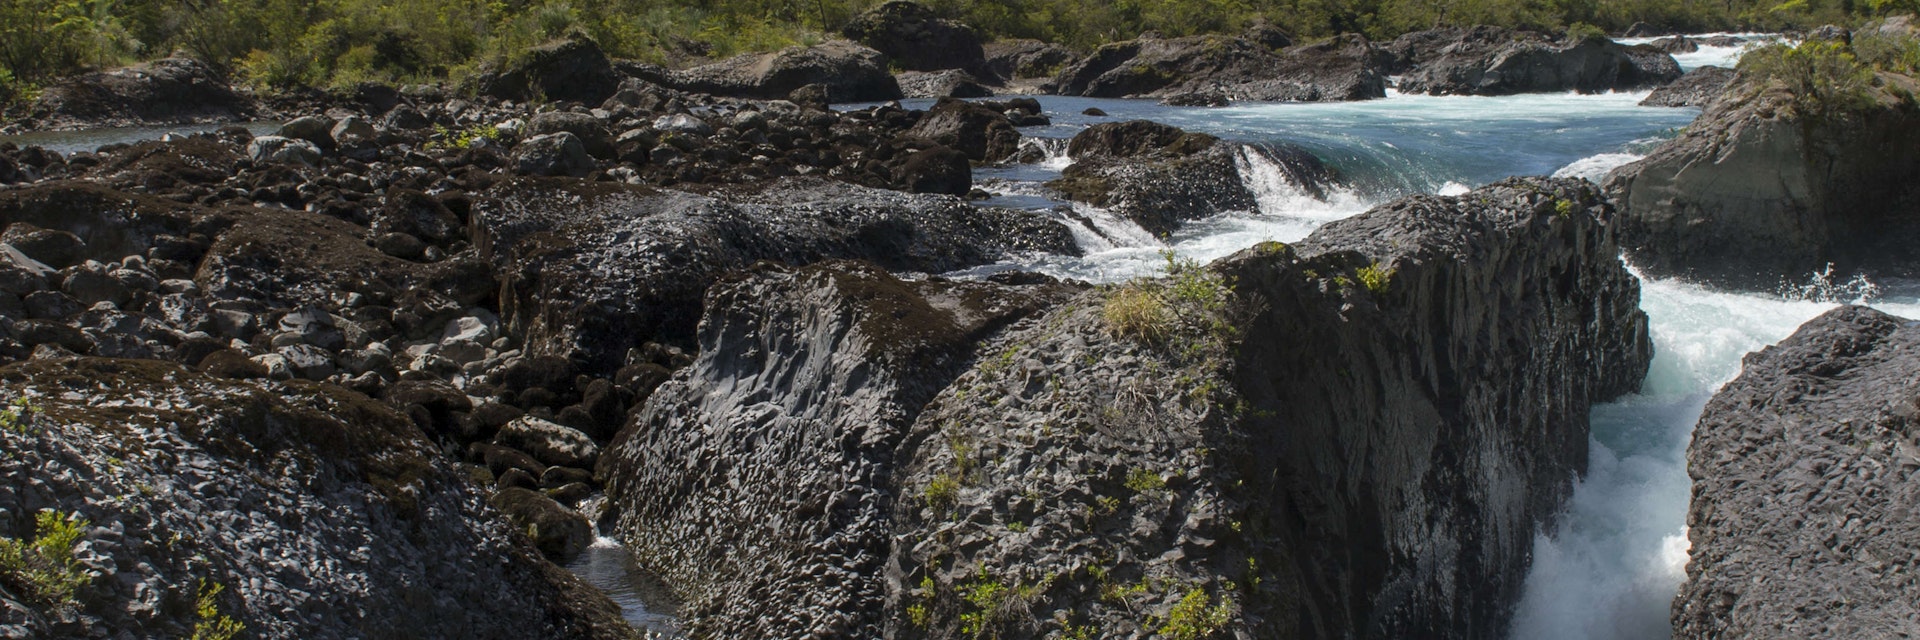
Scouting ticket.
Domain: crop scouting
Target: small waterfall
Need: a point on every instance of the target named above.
(1282, 190)
(1596, 167)
(1051, 152)
(607, 565)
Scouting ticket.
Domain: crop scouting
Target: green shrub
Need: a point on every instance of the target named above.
(213, 625)
(1142, 480)
(1136, 311)
(44, 568)
(18, 416)
(1196, 616)
(1823, 76)
(1375, 277)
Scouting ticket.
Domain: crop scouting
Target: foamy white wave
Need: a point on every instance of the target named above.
(1277, 194)
(1452, 189)
(1596, 167)
(1054, 150)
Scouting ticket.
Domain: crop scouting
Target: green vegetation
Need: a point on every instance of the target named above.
(942, 493)
(44, 568)
(464, 138)
(213, 624)
(336, 43)
(1824, 77)
(1142, 480)
(1375, 277)
(17, 416)
(1196, 616)
(1191, 300)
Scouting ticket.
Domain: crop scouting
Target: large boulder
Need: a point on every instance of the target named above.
(952, 83)
(984, 134)
(915, 39)
(1357, 437)
(847, 72)
(591, 270)
(1160, 176)
(1697, 88)
(1021, 59)
(1492, 61)
(1767, 185)
(782, 437)
(1802, 521)
(300, 510)
(165, 91)
(572, 69)
(1344, 68)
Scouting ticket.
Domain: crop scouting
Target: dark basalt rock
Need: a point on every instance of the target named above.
(845, 71)
(1160, 177)
(977, 130)
(1697, 88)
(1342, 454)
(1344, 68)
(572, 69)
(915, 39)
(592, 270)
(1494, 61)
(781, 440)
(938, 170)
(1801, 522)
(322, 514)
(1008, 60)
(1760, 188)
(166, 91)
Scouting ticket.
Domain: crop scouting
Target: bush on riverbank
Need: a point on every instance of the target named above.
(288, 43)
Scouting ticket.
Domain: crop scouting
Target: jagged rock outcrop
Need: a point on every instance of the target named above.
(1494, 61)
(591, 270)
(977, 129)
(1767, 185)
(1352, 438)
(1343, 68)
(321, 513)
(1697, 88)
(1160, 176)
(914, 38)
(1802, 522)
(1332, 440)
(763, 473)
(845, 71)
(571, 69)
(165, 91)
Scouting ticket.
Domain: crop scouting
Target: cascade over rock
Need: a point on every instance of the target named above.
(1354, 437)
(1160, 176)
(1802, 522)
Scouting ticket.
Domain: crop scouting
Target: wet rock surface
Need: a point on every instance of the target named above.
(1697, 88)
(1801, 522)
(323, 514)
(1494, 61)
(1764, 187)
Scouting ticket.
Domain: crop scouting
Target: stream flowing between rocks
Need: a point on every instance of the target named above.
(1610, 567)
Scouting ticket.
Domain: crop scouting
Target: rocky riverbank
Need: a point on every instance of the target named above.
(1802, 522)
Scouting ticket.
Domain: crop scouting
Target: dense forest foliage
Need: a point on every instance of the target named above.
(285, 43)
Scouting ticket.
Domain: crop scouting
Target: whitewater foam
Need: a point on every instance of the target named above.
(1596, 167)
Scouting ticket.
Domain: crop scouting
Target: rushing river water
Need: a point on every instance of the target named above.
(1610, 567)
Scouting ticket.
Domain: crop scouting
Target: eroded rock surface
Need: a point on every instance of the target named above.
(1802, 522)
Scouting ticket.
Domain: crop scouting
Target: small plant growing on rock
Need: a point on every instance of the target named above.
(1136, 311)
(1823, 77)
(18, 416)
(213, 624)
(1375, 277)
(1144, 480)
(1196, 616)
(942, 492)
(44, 569)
